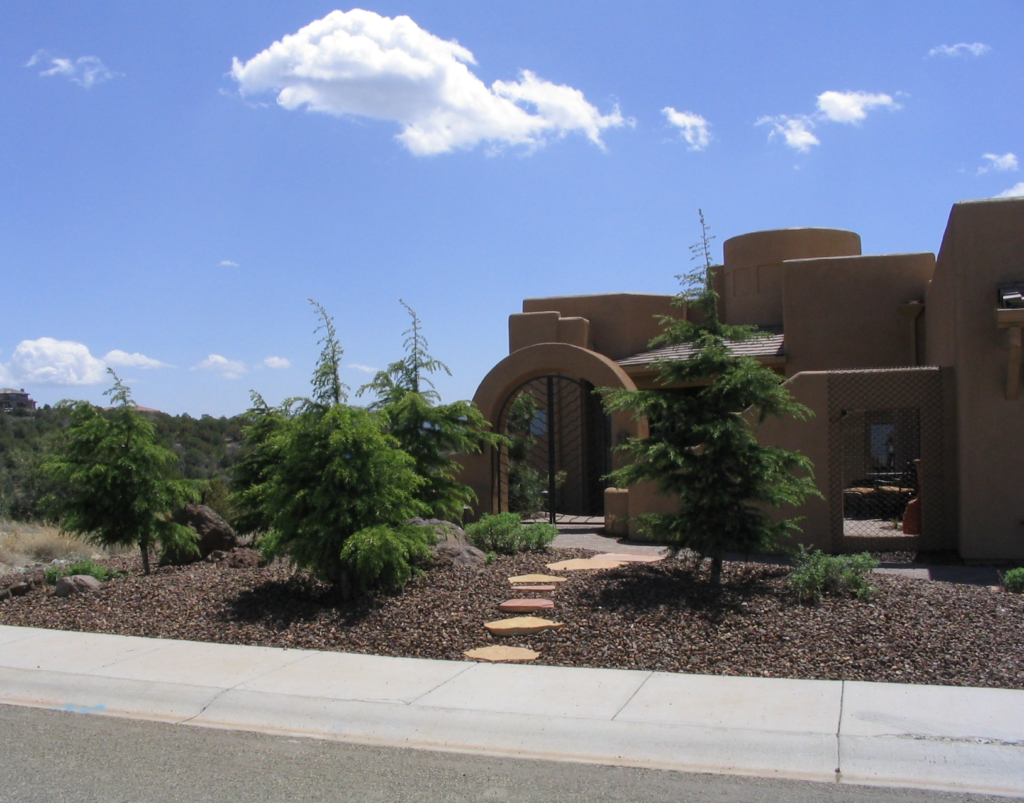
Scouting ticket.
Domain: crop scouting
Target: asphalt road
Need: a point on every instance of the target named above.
(56, 756)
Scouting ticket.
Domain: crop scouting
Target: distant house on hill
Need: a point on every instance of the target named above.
(11, 399)
(140, 409)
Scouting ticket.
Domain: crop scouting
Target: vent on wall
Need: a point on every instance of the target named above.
(1011, 295)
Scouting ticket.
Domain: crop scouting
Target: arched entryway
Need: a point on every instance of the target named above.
(558, 452)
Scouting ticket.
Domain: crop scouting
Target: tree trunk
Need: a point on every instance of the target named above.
(716, 570)
(144, 546)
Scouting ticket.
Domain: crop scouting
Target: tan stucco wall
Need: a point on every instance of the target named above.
(983, 246)
(621, 324)
(845, 312)
(753, 274)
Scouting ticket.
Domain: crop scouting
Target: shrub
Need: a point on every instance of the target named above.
(1013, 580)
(506, 533)
(386, 557)
(817, 574)
(101, 573)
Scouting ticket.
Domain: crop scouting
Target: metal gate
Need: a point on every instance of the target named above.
(559, 450)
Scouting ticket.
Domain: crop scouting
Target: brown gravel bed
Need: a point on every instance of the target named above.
(652, 617)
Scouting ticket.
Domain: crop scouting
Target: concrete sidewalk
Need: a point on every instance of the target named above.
(955, 739)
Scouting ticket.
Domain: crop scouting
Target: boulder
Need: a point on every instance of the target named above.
(452, 547)
(240, 558)
(17, 584)
(212, 531)
(76, 584)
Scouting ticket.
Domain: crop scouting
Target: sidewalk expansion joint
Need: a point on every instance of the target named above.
(839, 727)
(459, 674)
(636, 691)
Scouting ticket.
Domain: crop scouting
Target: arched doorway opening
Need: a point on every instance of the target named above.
(559, 450)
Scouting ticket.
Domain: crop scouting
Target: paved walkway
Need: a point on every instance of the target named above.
(959, 739)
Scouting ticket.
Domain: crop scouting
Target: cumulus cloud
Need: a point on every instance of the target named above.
(960, 49)
(229, 369)
(277, 362)
(85, 70)
(227, 263)
(47, 361)
(118, 358)
(366, 369)
(692, 127)
(833, 107)
(852, 107)
(360, 63)
(1001, 164)
(1016, 191)
(795, 131)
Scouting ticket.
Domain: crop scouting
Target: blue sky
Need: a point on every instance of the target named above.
(178, 178)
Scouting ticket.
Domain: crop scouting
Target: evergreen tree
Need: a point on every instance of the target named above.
(702, 448)
(112, 482)
(410, 409)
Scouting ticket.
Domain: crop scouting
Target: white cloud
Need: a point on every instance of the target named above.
(360, 63)
(366, 369)
(1016, 191)
(277, 362)
(852, 107)
(47, 361)
(796, 131)
(123, 358)
(1001, 164)
(85, 71)
(227, 263)
(960, 49)
(229, 369)
(692, 127)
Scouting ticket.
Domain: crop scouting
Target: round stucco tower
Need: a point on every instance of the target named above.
(752, 291)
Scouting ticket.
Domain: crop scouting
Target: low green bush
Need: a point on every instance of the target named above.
(505, 532)
(387, 557)
(101, 573)
(1013, 581)
(817, 573)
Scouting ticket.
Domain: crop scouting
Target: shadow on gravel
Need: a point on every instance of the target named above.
(641, 588)
(280, 604)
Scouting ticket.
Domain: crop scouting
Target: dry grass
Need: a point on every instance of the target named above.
(22, 543)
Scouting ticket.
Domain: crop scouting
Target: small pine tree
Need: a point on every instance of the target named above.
(701, 447)
(431, 432)
(111, 473)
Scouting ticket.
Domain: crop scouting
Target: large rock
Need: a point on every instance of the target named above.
(213, 532)
(453, 547)
(76, 584)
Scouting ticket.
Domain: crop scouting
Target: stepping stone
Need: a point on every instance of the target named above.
(526, 605)
(582, 564)
(536, 578)
(631, 557)
(497, 654)
(521, 626)
(538, 588)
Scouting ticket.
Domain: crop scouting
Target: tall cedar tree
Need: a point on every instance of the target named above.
(410, 408)
(111, 473)
(316, 471)
(702, 448)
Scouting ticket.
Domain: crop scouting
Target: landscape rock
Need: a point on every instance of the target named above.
(239, 558)
(17, 584)
(525, 605)
(453, 547)
(521, 626)
(502, 654)
(76, 584)
(212, 531)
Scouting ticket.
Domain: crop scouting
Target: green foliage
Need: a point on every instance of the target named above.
(410, 410)
(506, 533)
(526, 486)
(702, 448)
(111, 479)
(316, 471)
(101, 573)
(817, 574)
(490, 558)
(1013, 580)
(387, 557)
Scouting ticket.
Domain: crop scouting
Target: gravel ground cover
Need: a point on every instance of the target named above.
(658, 616)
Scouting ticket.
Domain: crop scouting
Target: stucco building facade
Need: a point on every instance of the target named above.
(910, 363)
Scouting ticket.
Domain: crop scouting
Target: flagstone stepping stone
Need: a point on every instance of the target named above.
(584, 564)
(536, 578)
(631, 557)
(526, 605)
(498, 653)
(538, 588)
(521, 626)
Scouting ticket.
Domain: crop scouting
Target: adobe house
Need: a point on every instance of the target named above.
(910, 363)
